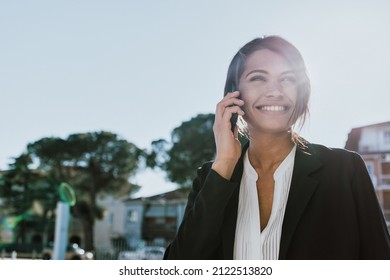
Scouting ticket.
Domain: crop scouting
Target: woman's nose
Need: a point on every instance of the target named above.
(274, 89)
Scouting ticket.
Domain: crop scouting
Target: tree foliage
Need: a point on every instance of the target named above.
(93, 163)
(192, 143)
(28, 198)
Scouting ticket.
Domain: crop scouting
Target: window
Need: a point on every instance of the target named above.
(371, 172)
(132, 216)
(386, 168)
(370, 168)
(160, 221)
(386, 137)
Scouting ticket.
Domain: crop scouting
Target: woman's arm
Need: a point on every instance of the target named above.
(199, 236)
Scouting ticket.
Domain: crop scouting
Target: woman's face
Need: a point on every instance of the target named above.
(268, 86)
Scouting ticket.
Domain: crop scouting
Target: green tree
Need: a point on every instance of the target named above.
(28, 198)
(192, 143)
(94, 164)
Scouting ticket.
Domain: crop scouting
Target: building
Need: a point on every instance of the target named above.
(154, 219)
(372, 142)
(130, 223)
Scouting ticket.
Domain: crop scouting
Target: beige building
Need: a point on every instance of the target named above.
(135, 222)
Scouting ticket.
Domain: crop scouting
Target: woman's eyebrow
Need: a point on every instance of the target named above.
(288, 72)
(257, 71)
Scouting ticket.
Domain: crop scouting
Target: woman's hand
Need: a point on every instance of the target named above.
(228, 146)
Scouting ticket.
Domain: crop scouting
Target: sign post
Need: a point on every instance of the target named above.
(67, 199)
(61, 231)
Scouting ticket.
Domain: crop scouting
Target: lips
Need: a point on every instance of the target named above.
(273, 108)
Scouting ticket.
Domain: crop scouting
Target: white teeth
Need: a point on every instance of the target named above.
(273, 108)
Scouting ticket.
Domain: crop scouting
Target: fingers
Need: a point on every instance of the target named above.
(228, 148)
(228, 105)
(229, 111)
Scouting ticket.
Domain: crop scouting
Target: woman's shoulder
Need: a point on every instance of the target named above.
(330, 153)
(320, 150)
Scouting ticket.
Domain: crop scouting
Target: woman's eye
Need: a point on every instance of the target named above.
(288, 80)
(258, 78)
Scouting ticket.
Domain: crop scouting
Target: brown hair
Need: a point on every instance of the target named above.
(287, 51)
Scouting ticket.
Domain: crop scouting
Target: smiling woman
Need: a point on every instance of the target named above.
(273, 66)
(269, 95)
(279, 196)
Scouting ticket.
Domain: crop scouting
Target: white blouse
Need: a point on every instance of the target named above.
(250, 242)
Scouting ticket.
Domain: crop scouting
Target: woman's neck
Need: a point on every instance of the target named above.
(267, 151)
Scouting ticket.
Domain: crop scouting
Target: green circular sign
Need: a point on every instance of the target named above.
(67, 194)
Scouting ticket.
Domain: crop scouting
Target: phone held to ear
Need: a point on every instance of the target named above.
(233, 119)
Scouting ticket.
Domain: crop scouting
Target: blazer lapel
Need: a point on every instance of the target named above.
(301, 190)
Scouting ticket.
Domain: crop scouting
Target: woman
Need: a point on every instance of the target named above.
(278, 197)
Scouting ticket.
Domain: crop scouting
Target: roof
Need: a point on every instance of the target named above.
(176, 194)
(376, 124)
(354, 135)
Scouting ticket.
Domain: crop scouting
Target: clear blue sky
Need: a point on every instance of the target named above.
(140, 68)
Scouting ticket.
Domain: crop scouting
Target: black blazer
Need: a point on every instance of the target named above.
(332, 211)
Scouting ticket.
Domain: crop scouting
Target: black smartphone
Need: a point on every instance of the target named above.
(233, 119)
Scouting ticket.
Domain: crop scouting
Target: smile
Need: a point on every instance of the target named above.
(273, 108)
